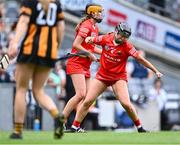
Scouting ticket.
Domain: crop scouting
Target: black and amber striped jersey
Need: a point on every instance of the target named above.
(41, 39)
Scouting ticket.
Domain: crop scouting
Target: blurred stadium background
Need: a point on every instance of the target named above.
(156, 31)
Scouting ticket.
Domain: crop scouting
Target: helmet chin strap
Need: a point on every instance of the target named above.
(118, 41)
(98, 20)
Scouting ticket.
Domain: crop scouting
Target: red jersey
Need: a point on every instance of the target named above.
(113, 58)
(87, 28)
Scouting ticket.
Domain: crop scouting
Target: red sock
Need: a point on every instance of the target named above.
(137, 123)
(76, 123)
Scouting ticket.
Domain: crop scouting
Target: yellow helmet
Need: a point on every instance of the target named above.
(93, 9)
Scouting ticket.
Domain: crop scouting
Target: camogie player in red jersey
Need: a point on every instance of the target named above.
(112, 72)
(79, 67)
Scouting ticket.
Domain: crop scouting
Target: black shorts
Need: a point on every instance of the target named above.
(36, 60)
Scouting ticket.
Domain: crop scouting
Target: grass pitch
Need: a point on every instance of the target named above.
(106, 137)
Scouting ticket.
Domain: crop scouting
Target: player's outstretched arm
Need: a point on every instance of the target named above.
(149, 65)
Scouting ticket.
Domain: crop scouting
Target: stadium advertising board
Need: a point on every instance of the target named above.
(145, 31)
(172, 41)
(114, 17)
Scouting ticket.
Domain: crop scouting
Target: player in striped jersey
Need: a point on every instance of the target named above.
(41, 28)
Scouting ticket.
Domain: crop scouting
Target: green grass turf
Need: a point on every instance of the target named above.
(106, 137)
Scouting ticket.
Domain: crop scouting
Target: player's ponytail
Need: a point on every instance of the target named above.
(82, 20)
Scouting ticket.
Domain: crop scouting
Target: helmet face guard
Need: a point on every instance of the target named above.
(95, 11)
(123, 29)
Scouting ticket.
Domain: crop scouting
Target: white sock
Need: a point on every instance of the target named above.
(139, 126)
(74, 127)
